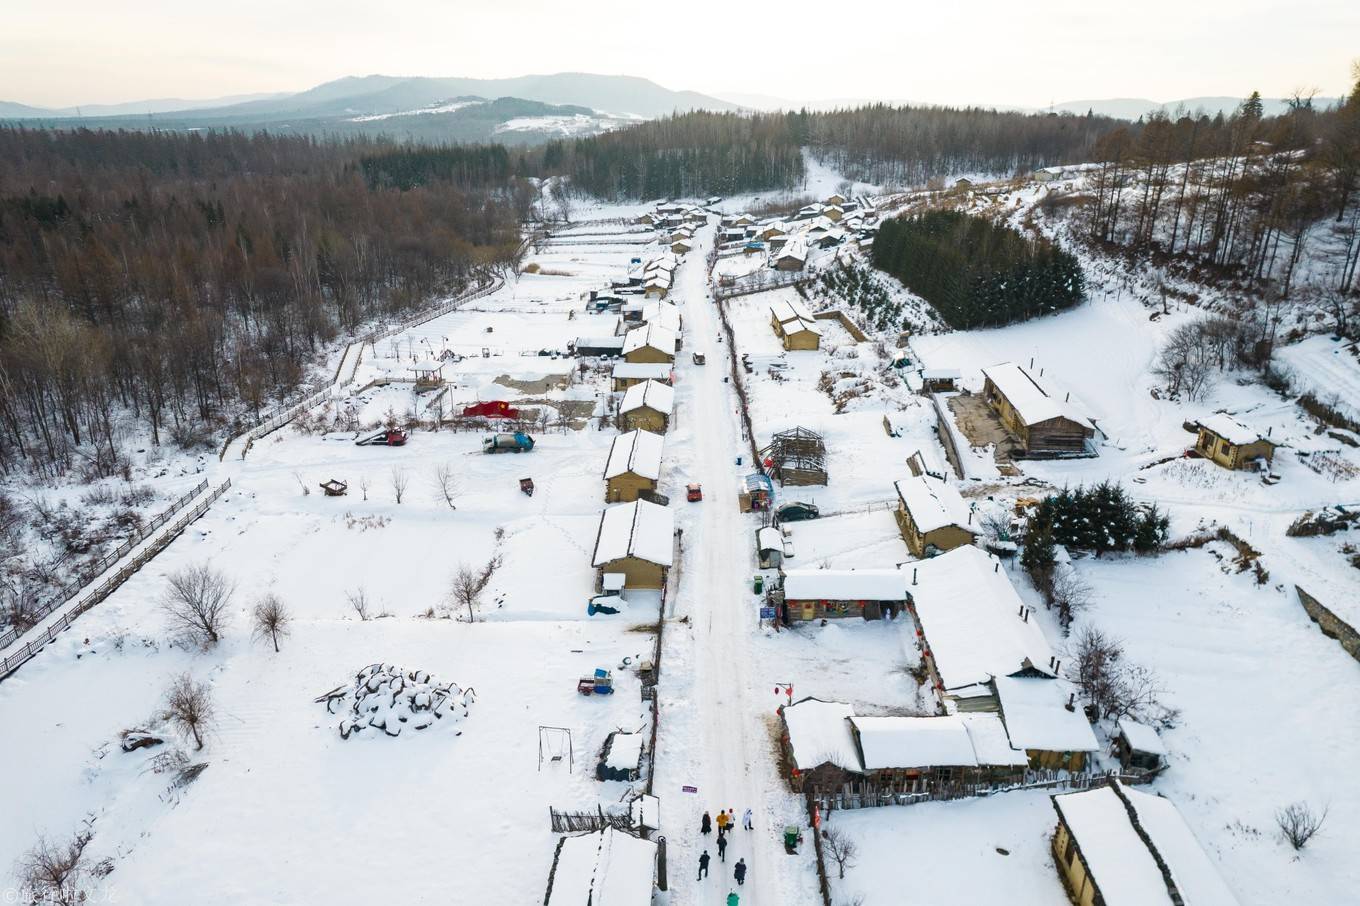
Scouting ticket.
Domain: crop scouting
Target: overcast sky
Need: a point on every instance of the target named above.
(984, 51)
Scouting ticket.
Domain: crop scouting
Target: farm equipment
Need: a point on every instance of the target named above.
(334, 488)
(517, 442)
(601, 683)
(694, 493)
(388, 437)
(526, 486)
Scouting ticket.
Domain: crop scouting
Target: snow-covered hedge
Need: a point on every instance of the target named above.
(387, 698)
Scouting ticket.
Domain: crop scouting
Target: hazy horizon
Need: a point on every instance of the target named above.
(1058, 51)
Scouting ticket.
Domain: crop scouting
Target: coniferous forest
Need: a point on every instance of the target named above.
(977, 273)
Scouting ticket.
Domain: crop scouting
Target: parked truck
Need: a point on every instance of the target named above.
(517, 442)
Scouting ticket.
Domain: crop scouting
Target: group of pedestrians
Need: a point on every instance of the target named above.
(727, 822)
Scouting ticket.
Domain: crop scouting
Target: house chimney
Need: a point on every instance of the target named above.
(1056, 664)
(913, 575)
(1071, 702)
(1068, 398)
(1031, 363)
(1050, 662)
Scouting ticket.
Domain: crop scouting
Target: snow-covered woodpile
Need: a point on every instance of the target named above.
(387, 698)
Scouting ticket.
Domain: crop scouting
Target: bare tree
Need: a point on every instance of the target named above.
(841, 848)
(20, 606)
(188, 705)
(272, 619)
(1298, 823)
(400, 479)
(53, 874)
(1070, 593)
(1093, 664)
(297, 476)
(196, 603)
(465, 588)
(446, 484)
(1137, 692)
(363, 485)
(358, 599)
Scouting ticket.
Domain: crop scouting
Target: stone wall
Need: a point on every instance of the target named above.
(1331, 625)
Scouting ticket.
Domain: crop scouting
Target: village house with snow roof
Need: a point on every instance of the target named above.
(1114, 846)
(791, 257)
(633, 466)
(650, 343)
(626, 374)
(1042, 421)
(647, 405)
(794, 325)
(636, 540)
(932, 515)
(1229, 443)
(870, 594)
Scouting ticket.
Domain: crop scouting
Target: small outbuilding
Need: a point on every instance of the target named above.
(648, 406)
(871, 594)
(1226, 441)
(932, 515)
(634, 465)
(637, 540)
(1138, 747)
(1114, 845)
(770, 547)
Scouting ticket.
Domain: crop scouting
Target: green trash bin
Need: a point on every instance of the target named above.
(759, 583)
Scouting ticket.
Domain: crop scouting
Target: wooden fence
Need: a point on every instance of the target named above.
(867, 795)
(72, 588)
(576, 822)
(101, 591)
(748, 286)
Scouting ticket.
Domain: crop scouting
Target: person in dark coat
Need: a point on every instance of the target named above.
(740, 872)
(722, 848)
(703, 866)
(707, 825)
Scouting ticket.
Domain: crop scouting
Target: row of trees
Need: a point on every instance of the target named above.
(189, 279)
(977, 273)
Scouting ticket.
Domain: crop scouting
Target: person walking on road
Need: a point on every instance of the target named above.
(722, 848)
(703, 866)
(740, 872)
(746, 819)
(707, 826)
(722, 822)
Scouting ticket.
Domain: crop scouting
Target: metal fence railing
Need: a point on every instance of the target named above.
(101, 591)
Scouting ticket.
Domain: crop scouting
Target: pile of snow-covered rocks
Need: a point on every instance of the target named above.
(387, 698)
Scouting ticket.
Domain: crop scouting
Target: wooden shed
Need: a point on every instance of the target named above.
(932, 516)
(1226, 441)
(634, 465)
(648, 406)
(794, 325)
(636, 539)
(1043, 422)
(1114, 844)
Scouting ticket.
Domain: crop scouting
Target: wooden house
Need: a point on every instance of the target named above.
(1226, 441)
(794, 325)
(819, 750)
(940, 380)
(649, 343)
(833, 212)
(792, 256)
(963, 182)
(682, 245)
(1043, 720)
(634, 465)
(743, 220)
(1041, 421)
(870, 594)
(932, 516)
(648, 406)
(656, 285)
(835, 199)
(637, 540)
(662, 313)
(1114, 845)
(770, 231)
(626, 374)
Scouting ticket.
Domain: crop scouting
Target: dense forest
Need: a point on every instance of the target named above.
(977, 273)
(189, 278)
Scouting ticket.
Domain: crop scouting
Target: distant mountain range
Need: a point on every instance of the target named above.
(517, 110)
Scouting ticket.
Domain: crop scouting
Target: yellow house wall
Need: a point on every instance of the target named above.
(645, 418)
(1073, 871)
(638, 573)
(646, 355)
(624, 488)
(1231, 456)
(802, 341)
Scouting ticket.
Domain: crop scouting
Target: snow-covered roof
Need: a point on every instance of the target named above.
(1141, 737)
(625, 751)
(933, 503)
(654, 371)
(913, 742)
(1119, 862)
(638, 452)
(793, 316)
(660, 279)
(844, 585)
(1035, 711)
(652, 336)
(794, 248)
(941, 374)
(1230, 429)
(651, 394)
(599, 343)
(769, 539)
(662, 313)
(605, 867)
(638, 529)
(819, 733)
(1195, 876)
(1031, 400)
(1123, 864)
(970, 614)
(991, 745)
